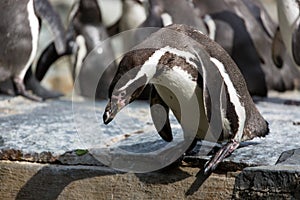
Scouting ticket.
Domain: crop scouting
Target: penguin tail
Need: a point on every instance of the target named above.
(225, 151)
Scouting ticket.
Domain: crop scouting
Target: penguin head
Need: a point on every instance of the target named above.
(129, 82)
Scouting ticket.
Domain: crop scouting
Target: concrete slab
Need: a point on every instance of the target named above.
(23, 180)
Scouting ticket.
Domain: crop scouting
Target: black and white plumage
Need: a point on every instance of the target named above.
(85, 33)
(166, 12)
(251, 31)
(19, 41)
(171, 59)
(289, 23)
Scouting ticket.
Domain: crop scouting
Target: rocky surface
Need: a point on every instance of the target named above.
(268, 182)
(23, 180)
(290, 157)
(69, 135)
(50, 132)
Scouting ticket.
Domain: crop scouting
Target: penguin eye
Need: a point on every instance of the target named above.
(123, 93)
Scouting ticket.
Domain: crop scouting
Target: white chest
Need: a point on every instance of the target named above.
(184, 98)
(34, 29)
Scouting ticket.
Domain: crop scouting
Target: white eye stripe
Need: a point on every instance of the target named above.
(148, 68)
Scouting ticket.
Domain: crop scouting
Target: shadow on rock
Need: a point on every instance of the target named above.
(49, 182)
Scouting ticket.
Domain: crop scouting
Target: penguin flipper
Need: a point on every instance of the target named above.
(45, 11)
(277, 49)
(225, 151)
(296, 45)
(160, 120)
(49, 56)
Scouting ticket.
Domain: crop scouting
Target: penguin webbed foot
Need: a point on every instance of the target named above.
(31, 83)
(224, 152)
(20, 90)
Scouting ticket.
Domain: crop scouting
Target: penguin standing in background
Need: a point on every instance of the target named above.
(289, 23)
(296, 45)
(171, 59)
(161, 14)
(85, 32)
(134, 14)
(252, 41)
(19, 35)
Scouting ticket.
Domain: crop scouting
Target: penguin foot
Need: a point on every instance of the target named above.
(225, 151)
(31, 83)
(7, 87)
(20, 89)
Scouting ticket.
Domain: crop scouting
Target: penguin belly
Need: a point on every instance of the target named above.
(184, 97)
(19, 44)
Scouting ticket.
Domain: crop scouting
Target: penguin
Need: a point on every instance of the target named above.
(171, 59)
(85, 32)
(289, 23)
(133, 13)
(161, 14)
(19, 42)
(251, 47)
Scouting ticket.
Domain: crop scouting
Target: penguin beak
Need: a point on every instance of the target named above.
(107, 117)
(111, 111)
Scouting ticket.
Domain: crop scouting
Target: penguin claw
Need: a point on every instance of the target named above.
(20, 90)
(225, 151)
(31, 83)
(30, 96)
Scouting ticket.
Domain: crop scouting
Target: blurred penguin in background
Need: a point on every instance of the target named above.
(289, 23)
(247, 32)
(19, 42)
(85, 33)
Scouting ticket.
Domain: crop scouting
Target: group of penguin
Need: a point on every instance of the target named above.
(248, 52)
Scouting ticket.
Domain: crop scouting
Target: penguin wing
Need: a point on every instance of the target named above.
(160, 117)
(45, 11)
(211, 81)
(49, 56)
(296, 45)
(278, 48)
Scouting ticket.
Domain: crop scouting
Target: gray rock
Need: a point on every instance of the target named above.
(61, 126)
(1, 141)
(291, 157)
(268, 182)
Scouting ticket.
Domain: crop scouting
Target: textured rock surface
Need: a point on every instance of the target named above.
(53, 128)
(41, 181)
(269, 182)
(291, 157)
(58, 131)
